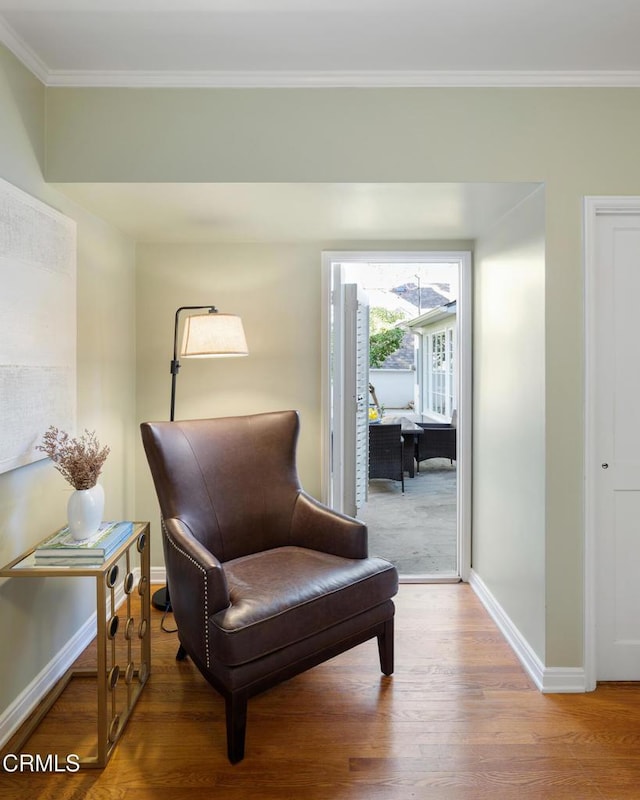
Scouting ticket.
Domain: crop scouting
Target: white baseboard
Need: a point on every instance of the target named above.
(158, 575)
(13, 716)
(564, 680)
(548, 680)
(16, 713)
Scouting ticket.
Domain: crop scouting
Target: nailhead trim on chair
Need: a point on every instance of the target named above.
(206, 595)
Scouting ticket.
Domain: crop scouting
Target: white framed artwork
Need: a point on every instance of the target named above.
(37, 324)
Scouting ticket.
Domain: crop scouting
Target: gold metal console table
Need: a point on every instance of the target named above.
(123, 657)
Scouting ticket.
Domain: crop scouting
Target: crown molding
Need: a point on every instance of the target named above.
(23, 52)
(349, 79)
(321, 79)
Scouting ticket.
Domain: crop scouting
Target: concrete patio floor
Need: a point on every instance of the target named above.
(417, 530)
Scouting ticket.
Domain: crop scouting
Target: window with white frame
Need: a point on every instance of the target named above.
(440, 372)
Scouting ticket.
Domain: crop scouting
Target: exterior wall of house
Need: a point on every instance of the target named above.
(39, 617)
(576, 141)
(447, 324)
(508, 521)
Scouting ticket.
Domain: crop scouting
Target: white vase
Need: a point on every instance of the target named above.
(84, 511)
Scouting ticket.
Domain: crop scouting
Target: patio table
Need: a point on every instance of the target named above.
(410, 432)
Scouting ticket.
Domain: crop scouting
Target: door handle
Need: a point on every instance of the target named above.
(605, 466)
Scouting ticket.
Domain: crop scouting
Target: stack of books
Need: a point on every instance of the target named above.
(62, 548)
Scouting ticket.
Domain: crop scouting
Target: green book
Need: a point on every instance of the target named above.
(99, 546)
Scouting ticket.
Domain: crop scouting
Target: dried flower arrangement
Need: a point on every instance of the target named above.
(79, 461)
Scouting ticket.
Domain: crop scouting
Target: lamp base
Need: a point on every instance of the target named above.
(160, 599)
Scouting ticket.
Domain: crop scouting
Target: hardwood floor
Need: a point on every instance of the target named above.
(458, 719)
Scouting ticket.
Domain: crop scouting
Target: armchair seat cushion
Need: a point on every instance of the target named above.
(281, 596)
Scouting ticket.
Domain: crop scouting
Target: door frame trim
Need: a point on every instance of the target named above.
(594, 206)
(463, 258)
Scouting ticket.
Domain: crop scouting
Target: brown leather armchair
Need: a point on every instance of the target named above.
(265, 582)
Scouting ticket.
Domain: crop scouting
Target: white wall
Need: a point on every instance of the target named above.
(509, 519)
(38, 617)
(395, 388)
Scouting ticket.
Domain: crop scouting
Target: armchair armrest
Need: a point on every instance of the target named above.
(318, 527)
(197, 585)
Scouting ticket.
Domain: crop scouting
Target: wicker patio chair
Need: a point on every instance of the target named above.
(439, 441)
(386, 455)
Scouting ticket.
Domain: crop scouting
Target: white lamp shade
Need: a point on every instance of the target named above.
(213, 335)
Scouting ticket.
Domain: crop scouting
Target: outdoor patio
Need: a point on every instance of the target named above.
(415, 530)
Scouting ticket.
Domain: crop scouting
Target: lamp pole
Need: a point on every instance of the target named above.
(160, 598)
(175, 364)
(210, 334)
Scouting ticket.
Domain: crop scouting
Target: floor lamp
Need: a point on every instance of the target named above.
(209, 335)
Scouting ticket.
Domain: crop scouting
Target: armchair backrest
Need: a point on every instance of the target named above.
(232, 481)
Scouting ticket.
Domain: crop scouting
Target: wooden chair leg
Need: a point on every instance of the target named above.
(236, 708)
(385, 647)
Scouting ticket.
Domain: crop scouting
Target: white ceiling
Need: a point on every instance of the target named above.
(325, 42)
(298, 212)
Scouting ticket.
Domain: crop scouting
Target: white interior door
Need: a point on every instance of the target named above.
(614, 471)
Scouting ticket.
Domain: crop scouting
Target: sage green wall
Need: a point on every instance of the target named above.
(576, 141)
(38, 617)
(508, 517)
(275, 289)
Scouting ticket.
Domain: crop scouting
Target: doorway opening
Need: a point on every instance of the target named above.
(424, 382)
